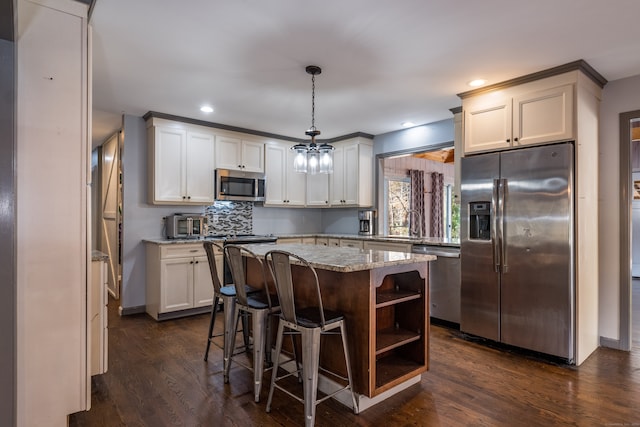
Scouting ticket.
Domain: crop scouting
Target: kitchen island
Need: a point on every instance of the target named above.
(384, 297)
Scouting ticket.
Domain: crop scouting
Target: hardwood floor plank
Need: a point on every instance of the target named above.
(157, 377)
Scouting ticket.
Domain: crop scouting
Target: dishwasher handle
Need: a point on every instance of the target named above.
(436, 250)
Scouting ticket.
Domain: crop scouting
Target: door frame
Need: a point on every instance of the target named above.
(625, 228)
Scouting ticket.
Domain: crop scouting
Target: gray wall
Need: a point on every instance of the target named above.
(8, 282)
(140, 219)
(619, 96)
(414, 138)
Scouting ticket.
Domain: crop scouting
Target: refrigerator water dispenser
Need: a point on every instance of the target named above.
(480, 220)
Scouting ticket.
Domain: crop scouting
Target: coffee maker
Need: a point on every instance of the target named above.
(367, 222)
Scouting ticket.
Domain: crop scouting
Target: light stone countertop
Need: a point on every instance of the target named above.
(342, 259)
(436, 241)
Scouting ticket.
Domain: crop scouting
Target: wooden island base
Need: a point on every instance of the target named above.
(385, 304)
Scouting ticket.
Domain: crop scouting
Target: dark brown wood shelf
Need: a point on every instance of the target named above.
(387, 339)
(392, 367)
(386, 298)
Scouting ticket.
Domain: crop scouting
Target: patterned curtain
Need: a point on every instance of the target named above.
(437, 187)
(417, 202)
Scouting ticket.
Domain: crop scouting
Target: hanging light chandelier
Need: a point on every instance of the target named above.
(313, 158)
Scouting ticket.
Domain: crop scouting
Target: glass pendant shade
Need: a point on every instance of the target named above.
(300, 158)
(326, 158)
(313, 160)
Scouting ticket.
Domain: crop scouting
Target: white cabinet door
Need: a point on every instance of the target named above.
(236, 154)
(543, 116)
(228, 153)
(352, 178)
(176, 277)
(350, 174)
(202, 283)
(276, 189)
(169, 174)
(285, 187)
(296, 183)
(487, 124)
(199, 168)
(318, 190)
(337, 177)
(252, 156)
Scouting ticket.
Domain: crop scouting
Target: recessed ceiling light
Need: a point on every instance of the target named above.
(407, 124)
(206, 109)
(477, 82)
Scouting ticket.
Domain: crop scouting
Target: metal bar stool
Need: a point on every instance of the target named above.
(228, 296)
(310, 323)
(259, 306)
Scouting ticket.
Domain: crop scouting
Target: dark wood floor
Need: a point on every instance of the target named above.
(157, 377)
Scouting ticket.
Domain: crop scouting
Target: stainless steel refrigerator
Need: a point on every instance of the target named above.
(517, 248)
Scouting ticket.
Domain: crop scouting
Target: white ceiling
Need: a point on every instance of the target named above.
(383, 62)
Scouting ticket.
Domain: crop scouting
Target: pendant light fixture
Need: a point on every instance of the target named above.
(313, 158)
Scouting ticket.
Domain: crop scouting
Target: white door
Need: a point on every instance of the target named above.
(487, 124)
(199, 168)
(176, 280)
(252, 156)
(110, 214)
(635, 226)
(276, 156)
(202, 282)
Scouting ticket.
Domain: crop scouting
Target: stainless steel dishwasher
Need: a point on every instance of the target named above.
(444, 281)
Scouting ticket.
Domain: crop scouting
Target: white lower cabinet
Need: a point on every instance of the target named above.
(98, 315)
(386, 246)
(178, 278)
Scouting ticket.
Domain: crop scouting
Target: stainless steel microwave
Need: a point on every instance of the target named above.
(238, 185)
(186, 226)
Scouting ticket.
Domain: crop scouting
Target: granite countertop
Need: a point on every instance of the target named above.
(98, 256)
(180, 241)
(438, 241)
(340, 259)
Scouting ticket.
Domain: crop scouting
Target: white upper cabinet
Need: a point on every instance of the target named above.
(237, 154)
(318, 190)
(199, 168)
(352, 178)
(518, 116)
(543, 116)
(284, 187)
(181, 165)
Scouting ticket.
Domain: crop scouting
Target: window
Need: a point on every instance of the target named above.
(398, 196)
(451, 214)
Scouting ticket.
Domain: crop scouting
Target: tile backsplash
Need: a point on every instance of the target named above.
(227, 217)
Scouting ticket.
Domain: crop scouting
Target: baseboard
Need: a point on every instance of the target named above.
(127, 311)
(610, 343)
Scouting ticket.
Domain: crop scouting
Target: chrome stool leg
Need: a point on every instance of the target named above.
(231, 319)
(310, 365)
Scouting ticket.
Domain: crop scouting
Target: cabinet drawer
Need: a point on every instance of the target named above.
(182, 251)
(351, 243)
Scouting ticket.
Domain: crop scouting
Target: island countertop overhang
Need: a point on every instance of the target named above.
(342, 259)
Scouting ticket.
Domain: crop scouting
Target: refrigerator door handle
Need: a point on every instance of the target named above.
(502, 201)
(494, 222)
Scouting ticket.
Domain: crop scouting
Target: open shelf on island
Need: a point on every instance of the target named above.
(393, 367)
(388, 339)
(395, 296)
